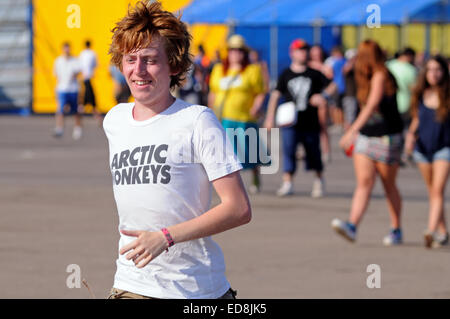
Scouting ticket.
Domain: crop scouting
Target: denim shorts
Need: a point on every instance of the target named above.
(69, 99)
(443, 154)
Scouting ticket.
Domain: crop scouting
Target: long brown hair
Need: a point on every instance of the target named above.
(370, 59)
(443, 90)
(245, 62)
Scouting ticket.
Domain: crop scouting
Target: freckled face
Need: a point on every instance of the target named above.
(147, 72)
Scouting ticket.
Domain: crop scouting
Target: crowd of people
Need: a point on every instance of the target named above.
(164, 205)
(389, 112)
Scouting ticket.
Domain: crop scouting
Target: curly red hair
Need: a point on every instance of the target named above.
(145, 21)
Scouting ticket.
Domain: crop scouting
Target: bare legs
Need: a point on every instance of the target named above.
(365, 171)
(435, 176)
(324, 137)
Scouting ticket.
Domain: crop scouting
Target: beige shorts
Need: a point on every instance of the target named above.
(123, 294)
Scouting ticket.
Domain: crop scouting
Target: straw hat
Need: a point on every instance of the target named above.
(236, 41)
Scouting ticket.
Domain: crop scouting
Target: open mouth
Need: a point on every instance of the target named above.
(141, 82)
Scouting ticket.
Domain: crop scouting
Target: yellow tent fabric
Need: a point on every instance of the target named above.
(75, 21)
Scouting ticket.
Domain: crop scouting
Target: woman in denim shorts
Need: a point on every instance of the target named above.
(376, 136)
(428, 140)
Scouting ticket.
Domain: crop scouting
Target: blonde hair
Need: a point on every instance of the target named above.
(145, 21)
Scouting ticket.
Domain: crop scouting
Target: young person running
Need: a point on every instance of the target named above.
(429, 132)
(306, 88)
(165, 155)
(377, 136)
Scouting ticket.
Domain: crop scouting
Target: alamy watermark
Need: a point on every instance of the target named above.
(74, 279)
(374, 279)
(74, 19)
(374, 19)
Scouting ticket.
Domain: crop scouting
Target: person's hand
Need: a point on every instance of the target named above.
(347, 140)
(255, 111)
(317, 100)
(410, 141)
(145, 248)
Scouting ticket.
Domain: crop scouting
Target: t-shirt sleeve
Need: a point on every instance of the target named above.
(324, 81)
(215, 78)
(212, 147)
(320, 82)
(282, 83)
(257, 80)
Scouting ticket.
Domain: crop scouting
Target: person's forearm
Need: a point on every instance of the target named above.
(272, 106)
(414, 125)
(220, 218)
(373, 100)
(330, 89)
(211, 99)
(362, 118)
(258, 102)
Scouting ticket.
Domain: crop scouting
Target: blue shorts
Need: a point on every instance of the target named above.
(70, 99)
(443, 154)
(311, 143)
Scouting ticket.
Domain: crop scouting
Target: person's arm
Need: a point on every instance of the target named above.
(211, 99)
(411, 137)
(257, 81)
(257, 104)
(321, 99)
(374, 98)
(271, 109)
(234, 210)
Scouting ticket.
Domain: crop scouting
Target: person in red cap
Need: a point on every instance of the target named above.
(309, 90)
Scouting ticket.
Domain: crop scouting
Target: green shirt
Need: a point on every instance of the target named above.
(405, 75)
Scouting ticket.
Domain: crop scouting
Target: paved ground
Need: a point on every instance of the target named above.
(57, 209)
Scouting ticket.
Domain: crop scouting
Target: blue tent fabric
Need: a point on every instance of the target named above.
(391, 12)
(219, 11)
(295, 12)
(433, 13)
(307, 12)
(291, 19)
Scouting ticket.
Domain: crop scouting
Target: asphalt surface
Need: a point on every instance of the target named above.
(57, 209)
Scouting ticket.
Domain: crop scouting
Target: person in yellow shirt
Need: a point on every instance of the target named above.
(236, 95)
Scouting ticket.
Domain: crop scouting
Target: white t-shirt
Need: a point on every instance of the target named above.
(161, 169)
(66, 70)
(88, 61)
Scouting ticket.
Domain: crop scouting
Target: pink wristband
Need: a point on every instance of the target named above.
(168, 237)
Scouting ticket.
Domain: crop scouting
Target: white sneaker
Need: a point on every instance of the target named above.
(77, 133)
(253, 189)
(58, 132)
(318, 189)
(326, 158)
(286, 189)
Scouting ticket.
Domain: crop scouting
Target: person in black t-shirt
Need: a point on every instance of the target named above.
(305, 87)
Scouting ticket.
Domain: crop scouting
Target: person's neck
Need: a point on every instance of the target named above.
(433, 89)
(298, 67)
(235, 66)
(144, 111)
